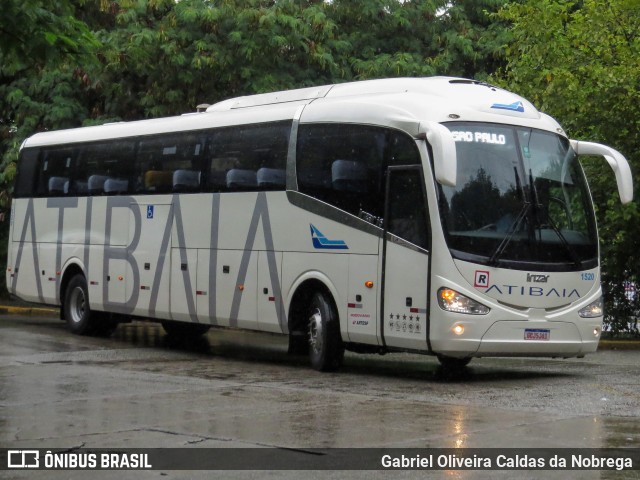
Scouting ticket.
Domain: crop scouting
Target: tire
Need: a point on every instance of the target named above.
(298, 344)
(452, 363)
(326, 350)
(184, 329)
(80, 319)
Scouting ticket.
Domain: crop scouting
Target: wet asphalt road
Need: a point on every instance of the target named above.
(241, 389)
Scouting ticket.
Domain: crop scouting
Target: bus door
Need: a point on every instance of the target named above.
(405, 260)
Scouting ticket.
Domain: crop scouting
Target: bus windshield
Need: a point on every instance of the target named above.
(521, 200)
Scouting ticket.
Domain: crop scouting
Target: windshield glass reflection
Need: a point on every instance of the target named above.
(521, 198)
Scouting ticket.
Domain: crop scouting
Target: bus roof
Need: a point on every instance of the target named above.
(396, 102)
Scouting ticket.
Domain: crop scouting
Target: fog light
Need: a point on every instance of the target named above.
(458, 329)
(596, 332)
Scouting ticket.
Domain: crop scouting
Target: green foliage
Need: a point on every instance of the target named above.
(34, 32)
(42, 44)
(66, 63)
(579, 61)
(166, 57)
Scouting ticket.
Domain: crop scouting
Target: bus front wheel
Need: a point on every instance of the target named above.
(326, 350)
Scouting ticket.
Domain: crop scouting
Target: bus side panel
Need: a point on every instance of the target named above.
(184, 262)
(330, 269)
(23, 220)
(205, 287)
(24, 280)
(236, 290)
(23, 275)
(270, 302)
(35, 251)
(227, 230)
(362, 301)
(95, 277)
(152, 257)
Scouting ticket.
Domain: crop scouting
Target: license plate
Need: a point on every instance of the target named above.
(537, 334)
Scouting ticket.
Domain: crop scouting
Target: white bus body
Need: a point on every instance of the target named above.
(435, 215)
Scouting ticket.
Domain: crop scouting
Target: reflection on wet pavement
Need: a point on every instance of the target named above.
(229, 388)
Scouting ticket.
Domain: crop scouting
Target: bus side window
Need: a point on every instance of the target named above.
(55, 170)
(104, 169)
(345, 165)
(341, 165)
(27, 173)
(407, 212)
(170, 163)
(249, 157)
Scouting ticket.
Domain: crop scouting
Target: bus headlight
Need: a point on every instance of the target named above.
(594, 309)
(452, 301)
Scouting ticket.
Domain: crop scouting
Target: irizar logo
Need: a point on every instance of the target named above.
(322, 242)
(532, 278)
(513, 107)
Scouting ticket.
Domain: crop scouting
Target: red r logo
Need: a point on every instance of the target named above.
(481, 279)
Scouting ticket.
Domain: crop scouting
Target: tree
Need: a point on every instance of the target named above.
(419, 38)
(164, 57)
(40, 42)
(579, 60)
(41, 46)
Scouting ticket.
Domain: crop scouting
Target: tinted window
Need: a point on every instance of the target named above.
(171, 163)
(105, 168)
(54, 171)
(27, 171)
(240, 158)
(407, 208)
(521, 197)
(249, 157)
(345, 165)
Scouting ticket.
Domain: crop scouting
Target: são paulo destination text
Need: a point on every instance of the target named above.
(452, 461)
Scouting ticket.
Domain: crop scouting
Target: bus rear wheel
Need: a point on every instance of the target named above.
(80, 319)
(326, 350)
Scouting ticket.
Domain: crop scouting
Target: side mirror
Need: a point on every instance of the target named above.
(445, 161)
(616, 160)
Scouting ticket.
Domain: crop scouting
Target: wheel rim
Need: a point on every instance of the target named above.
(315, 331)
(77, 305)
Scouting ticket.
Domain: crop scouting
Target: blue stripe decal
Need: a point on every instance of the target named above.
(322, 242)
(513, 107)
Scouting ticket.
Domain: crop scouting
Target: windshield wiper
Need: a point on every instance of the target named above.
(514, 226)
(512, 231)
(563, 239)
(565, 243)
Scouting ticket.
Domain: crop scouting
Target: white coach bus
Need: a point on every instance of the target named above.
(435, 215)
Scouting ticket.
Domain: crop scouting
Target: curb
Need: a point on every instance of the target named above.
(619, 345)
(31, 311)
